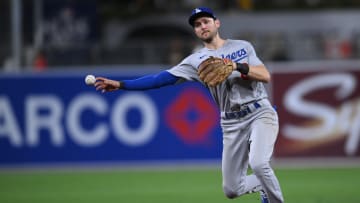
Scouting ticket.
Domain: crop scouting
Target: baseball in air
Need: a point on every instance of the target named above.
(90, 80)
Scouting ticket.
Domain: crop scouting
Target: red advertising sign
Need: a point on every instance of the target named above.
(319, 113)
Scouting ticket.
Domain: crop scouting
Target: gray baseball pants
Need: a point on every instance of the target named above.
(249, 141)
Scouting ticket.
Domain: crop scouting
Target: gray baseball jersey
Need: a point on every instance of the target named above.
(246, 140)
(234, 91)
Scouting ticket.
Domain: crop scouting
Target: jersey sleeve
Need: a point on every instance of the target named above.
(185, 70)
(253, 59)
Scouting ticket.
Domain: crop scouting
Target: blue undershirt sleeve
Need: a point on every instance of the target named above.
(158, 80)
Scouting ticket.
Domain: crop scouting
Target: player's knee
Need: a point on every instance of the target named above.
(229, 193)
(232, 193)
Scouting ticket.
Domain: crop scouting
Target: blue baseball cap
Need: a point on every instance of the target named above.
(200, 12)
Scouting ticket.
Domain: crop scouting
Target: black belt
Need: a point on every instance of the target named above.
(242, 113)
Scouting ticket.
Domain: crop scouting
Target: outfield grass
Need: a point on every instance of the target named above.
(171, 186)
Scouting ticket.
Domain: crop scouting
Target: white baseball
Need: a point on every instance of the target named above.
(90, 80)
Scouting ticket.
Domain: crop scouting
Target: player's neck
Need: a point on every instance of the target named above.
(216, 43)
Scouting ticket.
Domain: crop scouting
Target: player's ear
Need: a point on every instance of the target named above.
(217, 23)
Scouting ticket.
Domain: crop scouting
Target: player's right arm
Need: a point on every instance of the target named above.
(143, 83)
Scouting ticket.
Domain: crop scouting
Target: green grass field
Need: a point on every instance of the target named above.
(171, 186)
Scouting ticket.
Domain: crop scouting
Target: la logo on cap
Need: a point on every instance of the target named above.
(197, 10)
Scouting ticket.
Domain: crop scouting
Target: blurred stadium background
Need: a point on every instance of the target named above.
(62, 141)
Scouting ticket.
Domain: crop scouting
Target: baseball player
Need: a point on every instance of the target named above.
(249, 122)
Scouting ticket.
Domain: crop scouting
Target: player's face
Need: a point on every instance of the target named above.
(206, 28)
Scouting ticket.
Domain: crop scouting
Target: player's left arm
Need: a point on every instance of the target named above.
(259, 73)
(254, 69)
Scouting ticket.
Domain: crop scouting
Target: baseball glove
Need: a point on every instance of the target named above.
(214, 70)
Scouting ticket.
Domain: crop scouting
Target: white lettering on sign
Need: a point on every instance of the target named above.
(352, 142)
(79, 135)
(146, 131)
(46, 112)
(49, 120)
(9, 127)
(328, 120)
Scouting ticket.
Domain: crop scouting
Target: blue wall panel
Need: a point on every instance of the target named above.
(56, 118)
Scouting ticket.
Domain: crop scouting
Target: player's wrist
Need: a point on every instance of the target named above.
(242, 68)
(121, 84)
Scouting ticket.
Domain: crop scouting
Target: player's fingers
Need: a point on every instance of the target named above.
(101, 86)
(100, 78)
(106, 85)
(104, 81)
(98, 83)
(98, 88)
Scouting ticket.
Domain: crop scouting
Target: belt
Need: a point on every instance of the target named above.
(247, 109)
